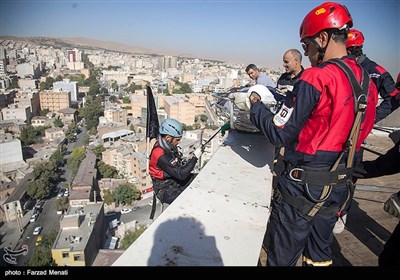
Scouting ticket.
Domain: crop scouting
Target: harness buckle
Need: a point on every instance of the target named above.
(295, 172)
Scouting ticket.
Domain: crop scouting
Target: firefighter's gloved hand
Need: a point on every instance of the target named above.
(225, 128)
(359, 171)
(392, 205)
(197, 153)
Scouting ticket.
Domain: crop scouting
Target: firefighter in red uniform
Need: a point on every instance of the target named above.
(169, 173)
(381, 78)
(314, 126)
(386, 89)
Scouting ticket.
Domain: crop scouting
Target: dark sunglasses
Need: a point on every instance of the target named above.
(305, 46)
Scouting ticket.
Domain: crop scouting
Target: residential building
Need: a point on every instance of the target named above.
(53, 133)
(116, 115)
(67, 85)
(15, 111)
(81, 235)
(84, 186)
(68, 115)
(181, 109)
(54, 100)
(41, 121)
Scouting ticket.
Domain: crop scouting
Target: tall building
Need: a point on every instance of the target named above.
(3, 62)
(67, 85)
(74, 60)
(168, 62)
(54, 100)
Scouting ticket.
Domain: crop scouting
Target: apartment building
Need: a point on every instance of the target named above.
(132, 165)
(81, 235)
(14, 112)
(54, 100)
(28, 98)
(181, 109)
(116, 115)
(67, 85)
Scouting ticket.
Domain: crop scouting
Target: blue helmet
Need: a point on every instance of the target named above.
(171, 127)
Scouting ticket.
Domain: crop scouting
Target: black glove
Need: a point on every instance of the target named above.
(392, 205)
(359, 171)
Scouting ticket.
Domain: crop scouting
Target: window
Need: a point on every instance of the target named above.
(65, 255)
(77, 257)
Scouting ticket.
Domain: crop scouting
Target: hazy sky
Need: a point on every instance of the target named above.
(243, 31)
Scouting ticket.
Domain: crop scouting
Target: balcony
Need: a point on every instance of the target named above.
(220, 219)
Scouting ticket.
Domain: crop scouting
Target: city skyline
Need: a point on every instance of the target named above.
(245, 32)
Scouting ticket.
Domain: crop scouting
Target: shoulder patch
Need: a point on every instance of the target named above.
(283, 115)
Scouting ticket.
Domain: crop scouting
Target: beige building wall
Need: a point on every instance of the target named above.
(28, 99)
(180, 109)
(16, 112)
(128, 163)
(116, 115)
(198, 100)
(137, 103)
(53, 133)
(54, 101)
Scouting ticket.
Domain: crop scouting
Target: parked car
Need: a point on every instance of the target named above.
(110, 213)
(126, 210)
(33, 218)
(151, 202)
(37, 230)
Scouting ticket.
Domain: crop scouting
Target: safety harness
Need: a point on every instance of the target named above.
(339, 172)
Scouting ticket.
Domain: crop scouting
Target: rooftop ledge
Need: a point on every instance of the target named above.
(220, 219)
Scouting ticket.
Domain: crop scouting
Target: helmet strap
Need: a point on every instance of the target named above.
(167, 145)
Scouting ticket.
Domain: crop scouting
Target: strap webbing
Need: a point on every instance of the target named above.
(360, 92)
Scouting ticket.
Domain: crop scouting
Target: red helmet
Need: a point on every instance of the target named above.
(355, 38)
(325, 16)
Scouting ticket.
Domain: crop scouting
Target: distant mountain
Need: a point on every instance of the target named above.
(79, 42)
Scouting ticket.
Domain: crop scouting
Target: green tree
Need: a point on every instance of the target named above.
(125, 194)
(77, 155)
(126, 100)
(58, 123)
(37, 188)
(62, 204)
(112, 98)
(28, 135)
(41, 256)
(203, 118)
(71, 131)
(78, 78)
(114, 86)
(98, 150)
(107, 171)
(48, 84)
(86, 139)
(91, 112)
(130, 237)
(44, 112)
(108, 197)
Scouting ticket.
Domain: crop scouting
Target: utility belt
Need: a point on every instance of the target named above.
(303, 206)
(319, 176)
(308, 206)
(160, 186)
